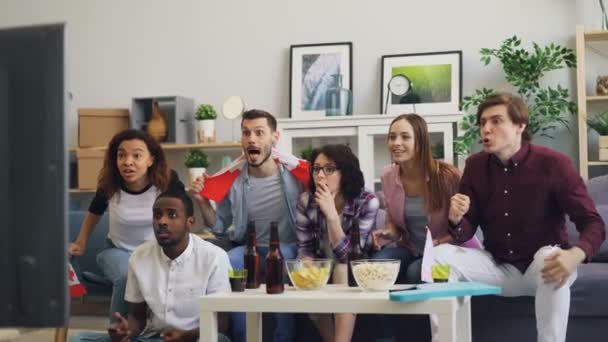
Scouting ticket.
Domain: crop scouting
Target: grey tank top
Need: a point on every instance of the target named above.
(416, 221)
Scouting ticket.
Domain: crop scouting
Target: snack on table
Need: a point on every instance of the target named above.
(309, 274)
(376, 275)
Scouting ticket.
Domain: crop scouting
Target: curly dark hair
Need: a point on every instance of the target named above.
(159, 174)
(352, 182)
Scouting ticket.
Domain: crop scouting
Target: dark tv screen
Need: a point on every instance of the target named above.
(33, 177)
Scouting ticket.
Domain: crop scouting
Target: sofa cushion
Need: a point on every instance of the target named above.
(602, 254)
(598, 189)
(589, 291)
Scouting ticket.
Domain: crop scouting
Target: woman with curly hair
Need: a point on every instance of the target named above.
(134, 172)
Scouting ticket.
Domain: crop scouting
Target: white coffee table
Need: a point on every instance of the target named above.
(454, 313)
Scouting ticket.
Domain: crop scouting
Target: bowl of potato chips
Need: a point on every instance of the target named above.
(309, 274)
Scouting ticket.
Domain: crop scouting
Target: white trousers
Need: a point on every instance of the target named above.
(552, 305)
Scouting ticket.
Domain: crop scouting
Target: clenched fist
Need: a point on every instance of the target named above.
(459, 205)
(197, 186)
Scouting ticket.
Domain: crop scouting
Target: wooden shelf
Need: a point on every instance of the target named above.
(596, 42)
(205, 145)
(174, 147)
(596, 36)
(597, 98)
(81, 191)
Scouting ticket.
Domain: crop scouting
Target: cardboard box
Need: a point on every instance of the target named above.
(96, 126)
(90, 162)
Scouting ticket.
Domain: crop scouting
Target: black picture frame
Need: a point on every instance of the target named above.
(306, 86)
(438, 76)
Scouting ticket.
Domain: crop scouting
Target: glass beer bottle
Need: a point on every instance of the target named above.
(274, 263)
(252, 258)
(354, 251)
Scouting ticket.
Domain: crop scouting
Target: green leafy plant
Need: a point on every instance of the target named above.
(307, 153)
(196, 158)
(523, 69)
(599, 123)
(205, 112)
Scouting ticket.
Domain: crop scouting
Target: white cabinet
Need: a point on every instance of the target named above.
(366, 135)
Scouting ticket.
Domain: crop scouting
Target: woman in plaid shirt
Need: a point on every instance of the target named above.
(325, 215)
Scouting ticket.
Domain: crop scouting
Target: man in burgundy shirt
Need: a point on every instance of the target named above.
(519, 193)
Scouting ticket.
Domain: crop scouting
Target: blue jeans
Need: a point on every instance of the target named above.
(103, 337)
(284, 322)
(114, 263)
(409, 273)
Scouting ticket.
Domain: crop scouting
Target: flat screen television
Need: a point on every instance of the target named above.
(33, 177)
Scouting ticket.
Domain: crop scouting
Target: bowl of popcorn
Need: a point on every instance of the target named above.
(375, 274)
(309, 274)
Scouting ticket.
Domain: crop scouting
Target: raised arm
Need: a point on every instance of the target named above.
(98, 206)
(204, 204)
(78, 247)
(463, 214)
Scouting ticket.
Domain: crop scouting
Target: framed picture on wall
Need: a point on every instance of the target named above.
(423, 83)
(312, 67)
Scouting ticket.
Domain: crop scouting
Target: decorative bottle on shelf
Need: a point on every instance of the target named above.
(157, 125)
(338, 100)
(252, 258)
(274, 263)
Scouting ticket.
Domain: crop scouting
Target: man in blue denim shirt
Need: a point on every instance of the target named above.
(263, 192)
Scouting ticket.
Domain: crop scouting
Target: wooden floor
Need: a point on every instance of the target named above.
(90, 314)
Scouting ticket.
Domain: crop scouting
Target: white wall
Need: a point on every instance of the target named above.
(208, 50)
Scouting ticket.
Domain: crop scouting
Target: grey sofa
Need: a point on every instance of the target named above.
(499, 319)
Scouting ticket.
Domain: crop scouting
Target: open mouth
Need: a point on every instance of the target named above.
(485, 141)
(254, 151)
(128, 172)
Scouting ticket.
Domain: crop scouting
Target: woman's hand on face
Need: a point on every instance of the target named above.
(325, 201)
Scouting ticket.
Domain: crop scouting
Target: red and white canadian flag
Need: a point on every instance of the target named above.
(76, 288)
(218, 185)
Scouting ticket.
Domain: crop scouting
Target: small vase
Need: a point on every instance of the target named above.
(338, 100)
(157, 125)
(195, 172)
(205, 131)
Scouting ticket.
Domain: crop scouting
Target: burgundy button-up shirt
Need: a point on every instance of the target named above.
(521, 206)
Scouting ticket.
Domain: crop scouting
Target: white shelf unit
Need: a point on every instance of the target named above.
(366, 135)
(595, 42)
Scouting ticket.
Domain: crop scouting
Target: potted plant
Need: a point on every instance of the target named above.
(523, 69)
(205, 123)
(599, 123)
(307, 153)
(196, 162)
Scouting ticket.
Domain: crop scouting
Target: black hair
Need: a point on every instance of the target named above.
(180, 194)
(352, 182)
